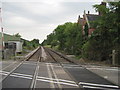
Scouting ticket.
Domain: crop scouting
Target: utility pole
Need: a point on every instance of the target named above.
(2, 44)
(2, 34)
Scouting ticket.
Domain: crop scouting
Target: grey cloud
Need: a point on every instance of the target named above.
(69, 10)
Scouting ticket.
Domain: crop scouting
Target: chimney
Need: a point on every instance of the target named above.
(103, 3)
(88, 12)
(78, 19)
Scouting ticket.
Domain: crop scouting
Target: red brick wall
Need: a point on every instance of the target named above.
(91, 30)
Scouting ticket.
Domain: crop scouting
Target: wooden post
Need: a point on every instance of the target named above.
(113, 57)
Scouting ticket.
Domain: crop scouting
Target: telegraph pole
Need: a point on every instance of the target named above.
(2, 34)
(2, 44)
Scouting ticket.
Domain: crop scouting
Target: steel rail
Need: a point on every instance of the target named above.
(51, 55)
(62, 56)
(18, 66)
(62, 67)
(74, 63)
(33, 83)
(32, 54)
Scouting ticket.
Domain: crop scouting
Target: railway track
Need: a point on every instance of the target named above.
(23, 70)
(46, 68)
(57, 57)
(84, 78)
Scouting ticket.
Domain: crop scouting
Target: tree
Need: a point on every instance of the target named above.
(105, 38)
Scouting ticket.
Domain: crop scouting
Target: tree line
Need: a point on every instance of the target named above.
(106, 37)
(28, 45)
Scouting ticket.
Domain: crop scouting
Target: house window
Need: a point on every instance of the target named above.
(12, 45)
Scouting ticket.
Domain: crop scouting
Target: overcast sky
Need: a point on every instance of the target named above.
(39, 18)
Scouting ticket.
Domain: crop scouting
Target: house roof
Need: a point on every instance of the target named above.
(92, 17)
(8, 37)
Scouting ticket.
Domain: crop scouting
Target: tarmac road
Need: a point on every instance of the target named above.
(88, 79)
(55, 75)
(21, 77)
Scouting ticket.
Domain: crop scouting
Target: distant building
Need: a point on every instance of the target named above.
(12, 42)
(87, 18)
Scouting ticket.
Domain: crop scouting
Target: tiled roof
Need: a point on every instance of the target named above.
(8, 37)
(92, 17)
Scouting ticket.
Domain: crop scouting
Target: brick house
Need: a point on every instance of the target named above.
(87, 19)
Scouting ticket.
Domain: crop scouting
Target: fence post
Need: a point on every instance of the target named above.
(113, 57)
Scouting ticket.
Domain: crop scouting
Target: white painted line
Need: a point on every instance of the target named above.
(56, 79)
(92, 87)
(58, 82)
(67, 81)
(21, 76)
(56, 76)
(104, 69)
(50, 75)
(54, 65)
(95, 68)
(13, 70)
(48, 63)
(4, 72)
(69, 84)
(112, 69)
(102, 85)
(29, 63)
(72, 67)
(36, 77)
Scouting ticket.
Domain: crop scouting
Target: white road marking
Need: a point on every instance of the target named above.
(30, 63)
(4, 72)
(35, 76)
(54, 65)
(50, 80)
(16, 75)
(20, 76)
(56, 77)
(105, 69)
(105, 77)
(92, 87)
(50, 75)
(113, 69)
(72, 67)
(102, 85)
(12, 70)
(58, 82)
